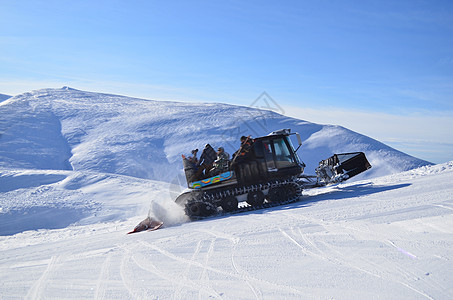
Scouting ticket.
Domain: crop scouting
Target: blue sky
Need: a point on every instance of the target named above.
(381, 68)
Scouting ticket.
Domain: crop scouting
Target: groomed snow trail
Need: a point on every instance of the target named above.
(385, 238)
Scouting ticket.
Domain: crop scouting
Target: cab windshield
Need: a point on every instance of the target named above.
(276, 152)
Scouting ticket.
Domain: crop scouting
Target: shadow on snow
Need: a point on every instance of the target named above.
(39, 217)
(339, 193)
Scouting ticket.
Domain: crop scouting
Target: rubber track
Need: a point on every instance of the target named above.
(210, 197)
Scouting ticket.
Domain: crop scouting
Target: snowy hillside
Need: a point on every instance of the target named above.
(3, 97)
(383, 238)
(67, 129)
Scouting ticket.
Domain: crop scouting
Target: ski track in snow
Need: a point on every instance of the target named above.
(327, 252)
(204, 268)
(103, 278)
(36, 290)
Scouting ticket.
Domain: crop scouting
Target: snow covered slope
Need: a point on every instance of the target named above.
(3, 97)
(67, 129)
(382, 238)
(48, 199)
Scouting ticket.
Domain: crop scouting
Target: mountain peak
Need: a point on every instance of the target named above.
(67, 88)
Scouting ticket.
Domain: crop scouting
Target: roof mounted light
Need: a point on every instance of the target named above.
(286, 131)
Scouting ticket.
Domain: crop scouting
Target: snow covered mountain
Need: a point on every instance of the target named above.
(3, 97)
(67, 129)
(78, 170)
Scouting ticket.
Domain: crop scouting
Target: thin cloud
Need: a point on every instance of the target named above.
(426, 135)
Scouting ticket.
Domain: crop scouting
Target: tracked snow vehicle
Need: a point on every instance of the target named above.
(269, 174)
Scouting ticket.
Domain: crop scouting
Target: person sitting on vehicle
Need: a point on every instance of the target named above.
(190, 166)
(207, 157)
(222, 163)
(246, 145)
(193, 159)
(244, 149)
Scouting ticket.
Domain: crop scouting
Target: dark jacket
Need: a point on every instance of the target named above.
(208, 156)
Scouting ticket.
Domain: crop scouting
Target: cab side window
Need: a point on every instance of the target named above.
(268, 154)
(282, 154)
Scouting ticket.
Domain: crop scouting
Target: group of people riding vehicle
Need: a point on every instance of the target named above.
(212, 163)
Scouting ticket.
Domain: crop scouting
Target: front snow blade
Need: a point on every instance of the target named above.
(341, 167)
(147, 224)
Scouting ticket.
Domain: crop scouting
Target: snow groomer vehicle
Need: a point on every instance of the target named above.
(266, 171)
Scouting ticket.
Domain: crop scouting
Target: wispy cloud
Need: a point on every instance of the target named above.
(426, 135)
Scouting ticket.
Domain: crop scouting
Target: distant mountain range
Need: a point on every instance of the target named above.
(68, 129)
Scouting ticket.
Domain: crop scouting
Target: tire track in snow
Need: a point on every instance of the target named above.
(146, 264)
(221, 235)
(339, 258)
(235, 241)
(125, 274)
(204, 277)
(305, 250)
(275, 286)
(179, 290)
(38, 287)
(385, 273)
(103, 276)
(256, 293)
(322, 254)
(446, 206)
